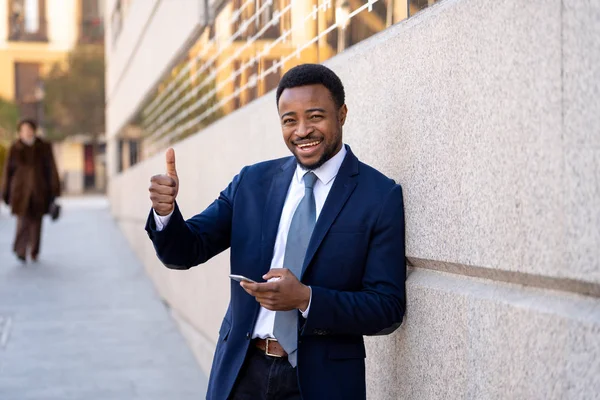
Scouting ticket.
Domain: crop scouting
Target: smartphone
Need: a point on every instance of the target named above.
(240, 278)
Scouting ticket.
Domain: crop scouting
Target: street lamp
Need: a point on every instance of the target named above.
(342, 16)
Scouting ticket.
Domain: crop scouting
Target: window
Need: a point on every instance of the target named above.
(92, 23)
(27, 20)
(249, 18)
(219, 77)
(267, 14)
(117, 21)
(271, 80)
(89, 167)
(118, 16)
(120, 156)
(417, 5)
(134, 152)
(28, 89)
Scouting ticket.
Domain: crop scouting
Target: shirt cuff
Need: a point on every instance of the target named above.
(305, 312)
(161, 221)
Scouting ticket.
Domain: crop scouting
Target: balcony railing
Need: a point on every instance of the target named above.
(91, 31)
(23, 30)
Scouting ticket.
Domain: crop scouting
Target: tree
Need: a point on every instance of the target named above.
(9, 116)
(74, 95)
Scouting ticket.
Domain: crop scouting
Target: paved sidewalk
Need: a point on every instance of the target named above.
(85, 322)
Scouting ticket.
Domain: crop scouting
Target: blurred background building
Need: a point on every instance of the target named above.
(485, 111)
(38, 37)
(204, 60)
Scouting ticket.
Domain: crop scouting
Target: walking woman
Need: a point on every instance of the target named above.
(30, 185)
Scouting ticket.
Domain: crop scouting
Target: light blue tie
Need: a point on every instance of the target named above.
(303, 223)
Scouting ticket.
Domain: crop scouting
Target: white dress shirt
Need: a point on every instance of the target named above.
(326, 176)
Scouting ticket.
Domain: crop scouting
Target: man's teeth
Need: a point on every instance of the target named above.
(302, 146)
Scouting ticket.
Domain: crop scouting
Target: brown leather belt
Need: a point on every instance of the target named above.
(270, 347)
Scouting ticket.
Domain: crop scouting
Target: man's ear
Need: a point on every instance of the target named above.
(342, 112)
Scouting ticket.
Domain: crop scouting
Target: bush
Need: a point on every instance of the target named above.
(3, 152)
(9, 116)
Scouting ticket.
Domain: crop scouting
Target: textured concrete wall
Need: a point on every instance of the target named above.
(487, 114)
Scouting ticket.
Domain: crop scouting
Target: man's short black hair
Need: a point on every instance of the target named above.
(27, 121)
(311, 74)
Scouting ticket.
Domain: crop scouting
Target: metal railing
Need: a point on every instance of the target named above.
(225, 72)
(91, 31)
(18, 30)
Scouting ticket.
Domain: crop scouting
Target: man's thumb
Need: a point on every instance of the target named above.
(171, 171)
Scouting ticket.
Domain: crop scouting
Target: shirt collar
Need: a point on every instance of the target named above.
(327, 171)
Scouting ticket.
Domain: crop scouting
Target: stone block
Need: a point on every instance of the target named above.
(474, 338)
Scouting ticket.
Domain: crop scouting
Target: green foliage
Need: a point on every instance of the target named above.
(3, 154)
(74, 99)
(9, 116)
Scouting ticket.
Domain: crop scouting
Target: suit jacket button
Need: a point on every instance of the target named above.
(248, 335)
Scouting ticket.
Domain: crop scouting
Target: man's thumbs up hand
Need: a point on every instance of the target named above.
(163, 188)
(171, 170)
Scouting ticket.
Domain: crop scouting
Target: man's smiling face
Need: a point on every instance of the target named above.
(311, 124)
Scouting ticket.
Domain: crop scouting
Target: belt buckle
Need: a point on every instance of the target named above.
(269, 340)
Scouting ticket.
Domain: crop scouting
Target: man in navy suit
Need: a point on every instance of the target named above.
(322, 236)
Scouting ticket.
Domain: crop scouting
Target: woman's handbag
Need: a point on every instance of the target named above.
(54, 210)
(53, 207)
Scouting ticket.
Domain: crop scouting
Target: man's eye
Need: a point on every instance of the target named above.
(287, 121)
(316, 117)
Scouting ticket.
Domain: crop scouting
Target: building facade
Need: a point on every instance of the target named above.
(34, 36)
(195, 62)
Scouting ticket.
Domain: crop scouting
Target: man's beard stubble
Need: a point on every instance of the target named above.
(328, 153)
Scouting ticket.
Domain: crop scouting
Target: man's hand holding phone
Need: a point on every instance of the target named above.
(284, 294)
(241, 278)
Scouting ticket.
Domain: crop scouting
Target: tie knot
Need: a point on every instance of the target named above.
(309, 180)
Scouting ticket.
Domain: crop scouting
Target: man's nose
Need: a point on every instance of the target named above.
(303, 129)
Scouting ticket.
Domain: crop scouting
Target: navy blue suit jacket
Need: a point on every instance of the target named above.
(355, 264)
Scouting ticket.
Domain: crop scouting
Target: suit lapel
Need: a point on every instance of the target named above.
(273, 207)
(343, 186)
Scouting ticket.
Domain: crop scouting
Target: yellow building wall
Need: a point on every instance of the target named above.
(71, 156)
(69, 161)
(24, 52)
(63, 18)
(3, 17)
